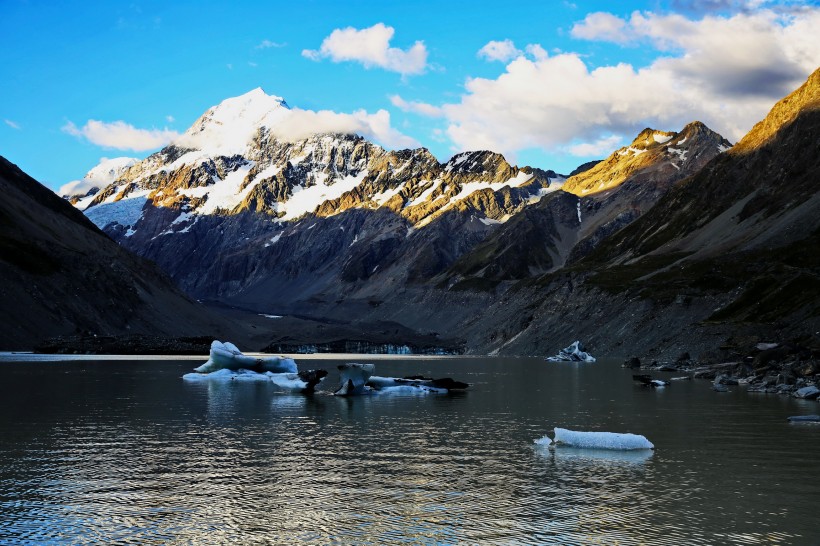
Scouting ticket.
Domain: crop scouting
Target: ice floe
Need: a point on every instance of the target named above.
(596, 440)
(304, 382)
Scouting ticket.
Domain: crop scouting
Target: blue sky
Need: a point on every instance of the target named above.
(549, 84)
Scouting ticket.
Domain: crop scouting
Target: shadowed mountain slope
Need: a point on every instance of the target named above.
(60, 275)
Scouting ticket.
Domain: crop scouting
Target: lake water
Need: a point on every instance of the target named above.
(103, 451)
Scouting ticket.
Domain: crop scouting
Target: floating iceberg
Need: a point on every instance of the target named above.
(359, 379)
(354, 378)
(601, 440)
(573, 353)
(302, 382)
(225, 356)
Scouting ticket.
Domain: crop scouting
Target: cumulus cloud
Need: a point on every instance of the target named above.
(503, 51)
(602, 26)
(724, 71)
(299, 124)
(600, 148)
(416, 107)
(120, 135)
(77, 187)
(371, 47)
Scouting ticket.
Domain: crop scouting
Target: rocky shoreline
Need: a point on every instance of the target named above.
(787, 368)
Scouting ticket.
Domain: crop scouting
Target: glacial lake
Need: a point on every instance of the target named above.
(126, 452)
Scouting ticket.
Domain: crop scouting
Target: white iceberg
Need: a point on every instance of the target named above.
(573, 353)
(226, 356)
(354, 378)
(601, 440)
(302, 382)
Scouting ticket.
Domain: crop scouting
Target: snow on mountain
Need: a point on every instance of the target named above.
(232, 159)
(81, 192)
(227, 129)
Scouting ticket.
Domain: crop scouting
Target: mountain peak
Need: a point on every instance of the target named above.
(804, 98)
(228, 127)
(650, 136)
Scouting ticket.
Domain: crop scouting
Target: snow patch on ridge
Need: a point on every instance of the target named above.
(304, 200)
(226, 193)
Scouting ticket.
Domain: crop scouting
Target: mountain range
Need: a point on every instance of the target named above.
(675, 238)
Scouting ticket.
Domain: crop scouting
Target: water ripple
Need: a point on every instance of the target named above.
(120, 456)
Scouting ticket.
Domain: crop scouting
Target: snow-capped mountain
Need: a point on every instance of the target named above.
(81, 192)
(593, 204)
(654, 154)
(230, 161)
(239, 183)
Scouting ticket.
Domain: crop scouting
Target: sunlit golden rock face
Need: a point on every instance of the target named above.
(804, 99)
(655, 155)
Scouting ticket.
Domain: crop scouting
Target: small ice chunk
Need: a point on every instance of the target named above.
(601, 440)
(543, 441)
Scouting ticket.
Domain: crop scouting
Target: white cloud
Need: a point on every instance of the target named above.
(416, 107)
(724, 71)
(371, 47)
(602, 26)
(12, 124)
(170, 119)
(299, 124)
(503, 51)
(121, 135)
(76, 187)
(252, 64)
(599, 148)
(267, 44)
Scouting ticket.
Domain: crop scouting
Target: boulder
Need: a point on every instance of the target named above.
(807, 393)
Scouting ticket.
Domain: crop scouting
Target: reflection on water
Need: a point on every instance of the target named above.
(117, 452)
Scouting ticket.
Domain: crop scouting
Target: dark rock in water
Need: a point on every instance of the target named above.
(312, 378)
(633, 362)
(449, 384)
(807, 393)
(646, 380)
(717, 387)
(805, 418)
